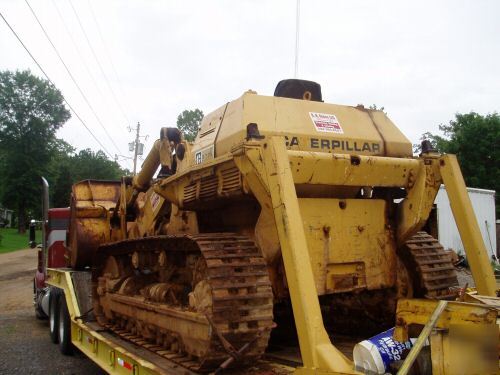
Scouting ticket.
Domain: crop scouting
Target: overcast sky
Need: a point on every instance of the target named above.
(422, 60)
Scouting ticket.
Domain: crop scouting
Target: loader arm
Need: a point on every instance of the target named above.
(468, 227)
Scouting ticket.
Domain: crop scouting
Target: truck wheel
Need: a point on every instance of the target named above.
(65, 344)
(38, 309)
(55, 295)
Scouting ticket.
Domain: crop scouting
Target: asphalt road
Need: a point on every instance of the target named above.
(25, 346)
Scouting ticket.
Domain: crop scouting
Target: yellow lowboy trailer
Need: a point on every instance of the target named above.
(114, 354)
(282, 201)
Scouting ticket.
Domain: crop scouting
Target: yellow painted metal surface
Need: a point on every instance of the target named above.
(464, 338)
(315, 346)
(351, 170)
(418, 311)
(461, 206)
(349, 246)
(363, 131)
(422, 190)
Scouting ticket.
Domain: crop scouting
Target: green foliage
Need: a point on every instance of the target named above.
(73, 167)
(475, 139)
(31, 111)
(189, 122)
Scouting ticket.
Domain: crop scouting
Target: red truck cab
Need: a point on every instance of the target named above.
(51, 251)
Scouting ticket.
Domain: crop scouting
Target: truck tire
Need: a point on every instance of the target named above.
(55, 295)
(65, 344)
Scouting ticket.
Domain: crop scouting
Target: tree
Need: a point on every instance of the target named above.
(31, 111)
(74, 167)
(189, 122)
(475, 139)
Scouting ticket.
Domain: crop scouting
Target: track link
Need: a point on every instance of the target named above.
(435, 271)
(242, 301)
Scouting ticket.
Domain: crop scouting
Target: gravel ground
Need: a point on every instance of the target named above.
(465, 278)
(25, 346)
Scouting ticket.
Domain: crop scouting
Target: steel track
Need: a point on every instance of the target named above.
(435, 271)
(242, 299)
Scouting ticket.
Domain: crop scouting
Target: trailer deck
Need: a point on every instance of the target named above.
(120, 355)
(132, 355)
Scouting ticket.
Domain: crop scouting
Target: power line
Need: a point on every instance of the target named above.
(106, 49)
(82, 59)
(52, 83)
(98, 62)
(71, 76)
(80, 54)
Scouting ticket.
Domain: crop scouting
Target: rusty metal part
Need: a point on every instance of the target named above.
(432, 268)
(228, 347)
(234, 303)
(91, 201)
(424, 269)
(235, 356)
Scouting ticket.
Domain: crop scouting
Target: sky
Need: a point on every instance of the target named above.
(147, 61)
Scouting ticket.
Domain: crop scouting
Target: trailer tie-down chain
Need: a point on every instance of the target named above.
(230, 349)
(235, 355)
(84, 315)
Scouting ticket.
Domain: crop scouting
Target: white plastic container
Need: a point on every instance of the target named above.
(374, 355)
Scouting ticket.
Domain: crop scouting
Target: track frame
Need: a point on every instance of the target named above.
(112, 355)
(240, 312)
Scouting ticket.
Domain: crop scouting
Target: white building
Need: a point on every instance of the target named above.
(483, 202)
(5, 215)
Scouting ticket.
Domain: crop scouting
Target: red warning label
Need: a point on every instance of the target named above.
(326, 123)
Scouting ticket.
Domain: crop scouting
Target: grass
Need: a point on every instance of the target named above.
(11, 240)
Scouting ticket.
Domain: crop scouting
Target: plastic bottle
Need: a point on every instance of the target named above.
(374, 355)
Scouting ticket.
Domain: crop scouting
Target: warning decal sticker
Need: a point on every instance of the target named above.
(326, 123)
(155, 201)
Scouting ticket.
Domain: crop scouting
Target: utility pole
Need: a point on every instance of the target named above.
(136, 145)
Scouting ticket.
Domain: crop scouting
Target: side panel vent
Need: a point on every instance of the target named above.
(208, 187)
(224, 183)
(231, 181)
(190, 192)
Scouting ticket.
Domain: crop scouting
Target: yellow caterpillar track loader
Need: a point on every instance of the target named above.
(281, 201)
